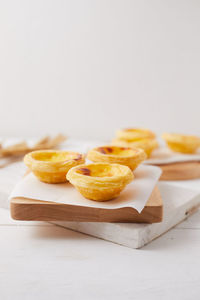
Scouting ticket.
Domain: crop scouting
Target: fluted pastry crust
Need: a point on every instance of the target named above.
(133, 134)
(148, 145)
(182, 143)
(51, 166)
(100, 181)
(130, 157)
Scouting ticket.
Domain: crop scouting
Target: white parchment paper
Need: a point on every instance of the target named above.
(135, 195)
(163, 155)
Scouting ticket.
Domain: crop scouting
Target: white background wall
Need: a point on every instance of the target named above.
(87, 67)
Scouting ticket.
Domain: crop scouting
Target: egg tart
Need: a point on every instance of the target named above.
(182, 143)
(133, 134)
(51, 166)
(148, 145)
(100, 181)
(130, 157)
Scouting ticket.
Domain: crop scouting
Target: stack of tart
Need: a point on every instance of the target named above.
(136, 137)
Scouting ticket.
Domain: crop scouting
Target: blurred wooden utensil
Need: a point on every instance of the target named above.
(20, 149)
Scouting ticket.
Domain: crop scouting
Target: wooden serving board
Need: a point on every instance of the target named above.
(29, 210)
(180, 170)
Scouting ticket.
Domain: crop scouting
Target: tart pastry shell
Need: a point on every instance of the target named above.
(182, 143)
(134, 134)
(51, 166)
(100, 181)
(130, 157)
(148, 145)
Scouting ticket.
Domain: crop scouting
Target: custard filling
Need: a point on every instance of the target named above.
(99, 170)
(55, 156)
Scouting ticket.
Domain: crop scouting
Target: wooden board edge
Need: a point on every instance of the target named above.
(35, 210)
(180, 170)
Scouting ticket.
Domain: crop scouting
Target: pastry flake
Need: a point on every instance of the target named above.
(51, 166)
(130, 157)
(100, 181)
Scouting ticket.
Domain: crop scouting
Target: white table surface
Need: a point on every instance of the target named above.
(43, 261)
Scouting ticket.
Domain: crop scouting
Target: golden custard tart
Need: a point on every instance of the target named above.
(130, 157)
(148, 145)
(100, 181)
(51, 166)
(133, 134)
(182, 143)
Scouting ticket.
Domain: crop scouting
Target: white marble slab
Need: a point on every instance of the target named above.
(179, 203)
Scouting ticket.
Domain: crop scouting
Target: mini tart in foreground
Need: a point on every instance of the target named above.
(51, 166)
(130, 157)
(100, 181)
(148, 145)
(182, 143)
(133, 134)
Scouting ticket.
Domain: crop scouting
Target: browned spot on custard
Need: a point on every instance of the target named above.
(105, 150)
(78, 157)
(85, 171)
(109, 149)
(102, 150)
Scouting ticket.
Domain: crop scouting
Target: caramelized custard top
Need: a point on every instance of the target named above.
(85, 171)
(105, 150)
(99, 170)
